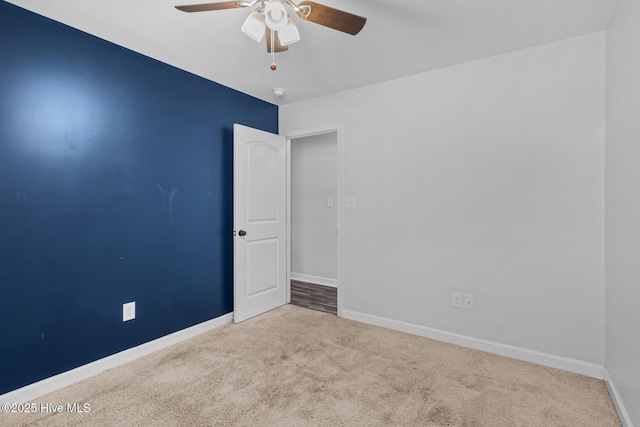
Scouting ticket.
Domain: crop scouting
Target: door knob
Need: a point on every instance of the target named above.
(242, 233)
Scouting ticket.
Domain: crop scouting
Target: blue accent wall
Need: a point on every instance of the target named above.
(115, 186)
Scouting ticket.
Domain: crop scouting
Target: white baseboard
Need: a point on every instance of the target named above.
(550, 360)
(48, 385)
(625, 419)
(314, 279)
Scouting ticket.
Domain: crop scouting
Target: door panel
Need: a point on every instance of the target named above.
(262, 173)
(260, 212)
(262, 255)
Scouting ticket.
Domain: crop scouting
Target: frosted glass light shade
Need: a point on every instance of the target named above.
(289, 34)
(255, 26)
(275, 15)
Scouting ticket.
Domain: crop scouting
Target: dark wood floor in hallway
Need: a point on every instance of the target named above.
(314, 297)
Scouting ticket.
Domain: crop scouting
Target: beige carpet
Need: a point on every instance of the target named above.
(296, 367)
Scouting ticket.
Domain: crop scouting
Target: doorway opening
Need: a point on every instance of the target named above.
(315, 219)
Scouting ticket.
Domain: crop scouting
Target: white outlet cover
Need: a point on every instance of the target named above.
(468, 302)
(350, 202)
(456, 299)
(129, 311)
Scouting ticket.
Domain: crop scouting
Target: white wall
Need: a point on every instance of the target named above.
(313, 223)
(623, 204)
(485, 178)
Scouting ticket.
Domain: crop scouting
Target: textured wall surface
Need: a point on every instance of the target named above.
(115, 186)
(314, 242)
(623, 205)
(485, 178)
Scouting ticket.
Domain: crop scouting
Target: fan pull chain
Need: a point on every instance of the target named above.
(273, 51)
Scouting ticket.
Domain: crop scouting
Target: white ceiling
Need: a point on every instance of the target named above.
(400, 38)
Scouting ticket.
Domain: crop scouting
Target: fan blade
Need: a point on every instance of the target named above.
(332, 18)
(208, 6)
(276, 41)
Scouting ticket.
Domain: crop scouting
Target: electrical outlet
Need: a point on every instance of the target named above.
(468, 302)
(350, 202)
(129, 311)
(330, 202)
(456, 299)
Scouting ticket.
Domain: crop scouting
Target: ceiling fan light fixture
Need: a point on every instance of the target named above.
(254, 26)
(289, 34)
(275, 15)
(270, 17)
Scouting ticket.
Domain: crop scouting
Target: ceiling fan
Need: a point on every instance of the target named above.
(270, 18)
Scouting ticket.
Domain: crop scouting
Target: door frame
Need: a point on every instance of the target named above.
(302, 133)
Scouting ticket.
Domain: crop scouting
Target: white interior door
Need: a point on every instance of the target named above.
(260, 225)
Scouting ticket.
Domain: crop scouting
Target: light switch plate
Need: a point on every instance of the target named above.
(456, 299)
